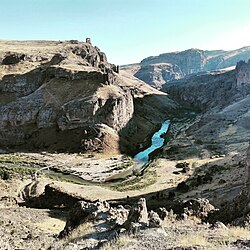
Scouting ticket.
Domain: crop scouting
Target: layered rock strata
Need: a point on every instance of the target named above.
(66, 96)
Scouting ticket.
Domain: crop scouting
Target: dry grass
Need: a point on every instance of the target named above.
(234, 233)
(81, 231)
(197, 239)
(51, 225)
(192, 233)
(125, 241)
(148, 178)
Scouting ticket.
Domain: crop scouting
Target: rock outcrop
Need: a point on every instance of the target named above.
(243, 73)
(189, 61)
(224, 104)
(204, 91)
(84, 211)
(158, 74)
(109, 222)
(65, 96)
(137, 217)
(247, 187)
(52, 197)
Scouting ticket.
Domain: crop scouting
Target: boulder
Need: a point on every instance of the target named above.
(162, 212)
(198, 207)
(42, 195)
(154, 219)
(182, 187)
(13, 58)
(118, 215)
(8, 201)
(138, 214)
(84, 211)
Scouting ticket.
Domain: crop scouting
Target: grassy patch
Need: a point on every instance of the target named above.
(191, 234)
(81, 232)
(65, 178)
(8, 172)
(14, 159)
(234, 233)
(148, 178)
(198, 239)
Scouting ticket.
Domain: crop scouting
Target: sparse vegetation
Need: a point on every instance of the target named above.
(147, 177)
(15, 159)
(7, 172)
(234, 233)
(125, 241)
(83, 230)
(66, 178)
(191, 233)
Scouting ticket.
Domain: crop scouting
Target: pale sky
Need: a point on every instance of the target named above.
(130, 30)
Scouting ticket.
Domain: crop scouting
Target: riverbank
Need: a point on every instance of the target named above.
(157, 141)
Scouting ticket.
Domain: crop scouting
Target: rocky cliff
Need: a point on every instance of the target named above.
(212, 89)
(158, 74)
(243, 73)
(64, 96)
(222, 102)
(248, 173)
(190, 61)
(153, 69)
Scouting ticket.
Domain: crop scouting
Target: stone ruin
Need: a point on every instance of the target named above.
(88, 40)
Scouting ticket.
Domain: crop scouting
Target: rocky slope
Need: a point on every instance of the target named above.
(222, 101)
(66, 96)
(157, 74)
(157, 70)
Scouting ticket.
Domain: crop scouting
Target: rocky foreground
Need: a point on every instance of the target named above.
(103, 225)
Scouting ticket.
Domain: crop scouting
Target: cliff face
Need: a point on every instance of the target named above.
(212, 89)
(203, 91)
(190, 61)
(62, 96)
(243, 73)
(58, 87)
(158, 74)
(248, 172)
(222, 102)
(154, 72)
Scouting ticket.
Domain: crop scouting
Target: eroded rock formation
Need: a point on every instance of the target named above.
(243, 73)
(189, 61)
(158, 74)
(248, 173)
(64, 96)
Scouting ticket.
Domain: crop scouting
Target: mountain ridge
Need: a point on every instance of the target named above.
(183, 63)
